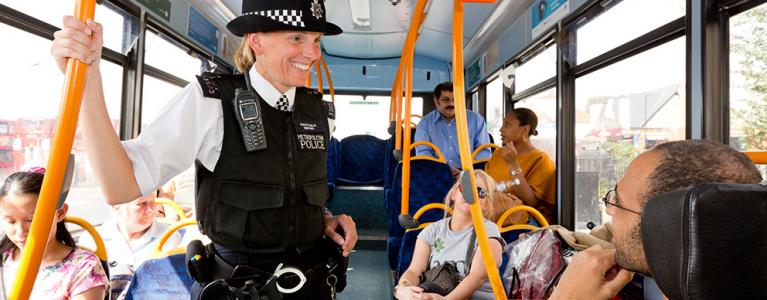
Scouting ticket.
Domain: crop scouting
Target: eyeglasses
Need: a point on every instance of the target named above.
(611, 199)
(481, 192)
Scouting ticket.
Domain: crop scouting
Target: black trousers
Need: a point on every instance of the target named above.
(312, 264)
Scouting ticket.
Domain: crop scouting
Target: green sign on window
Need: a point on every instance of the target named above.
(159, 7)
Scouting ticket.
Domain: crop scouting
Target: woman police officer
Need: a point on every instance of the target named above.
(257, 139)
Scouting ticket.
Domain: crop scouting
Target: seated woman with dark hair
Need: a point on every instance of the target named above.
(528, 172)
(66, 271)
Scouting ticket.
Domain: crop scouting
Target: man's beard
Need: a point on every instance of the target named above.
(630, 252)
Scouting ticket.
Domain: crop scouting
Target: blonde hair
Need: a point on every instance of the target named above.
(487, 210)
(244, 58)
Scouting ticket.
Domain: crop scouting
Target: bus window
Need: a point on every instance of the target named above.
(494, 109)
(368, 115)
(748, 97)
(539, 68)
(544, 104)
(621, 111)
(167, 56)
(31, 107)
(116, 23)
(157, 94)
(633, 17)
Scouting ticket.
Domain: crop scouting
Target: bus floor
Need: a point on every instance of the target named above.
(368, 276)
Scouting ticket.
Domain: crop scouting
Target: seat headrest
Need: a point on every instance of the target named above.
(708, 241)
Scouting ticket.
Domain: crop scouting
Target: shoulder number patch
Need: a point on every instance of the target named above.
(330, 108)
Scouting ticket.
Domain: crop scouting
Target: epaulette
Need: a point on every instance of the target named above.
(310, 91)
(330, 108)
(209, 84)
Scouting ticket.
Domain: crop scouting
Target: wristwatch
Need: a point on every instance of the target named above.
(327, 212)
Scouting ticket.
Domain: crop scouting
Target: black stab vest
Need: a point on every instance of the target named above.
(267, 201)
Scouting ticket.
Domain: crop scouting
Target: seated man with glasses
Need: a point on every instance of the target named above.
(439, 128)
(598, 273)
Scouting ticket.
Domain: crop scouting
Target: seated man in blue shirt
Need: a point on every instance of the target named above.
(438, 127)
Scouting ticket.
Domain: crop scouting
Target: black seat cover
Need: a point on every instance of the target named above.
(708, 241)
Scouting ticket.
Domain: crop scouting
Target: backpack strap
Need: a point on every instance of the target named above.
(470, 251)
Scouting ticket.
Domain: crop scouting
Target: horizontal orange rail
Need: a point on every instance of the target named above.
(758, 157)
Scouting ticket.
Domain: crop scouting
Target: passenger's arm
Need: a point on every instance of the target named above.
(523, 190)
(477, 274)
(592, 274)
(105, 153)
(96, 293)
(407, 287)
(422, 134)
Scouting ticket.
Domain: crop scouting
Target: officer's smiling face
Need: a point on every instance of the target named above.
(285, 58)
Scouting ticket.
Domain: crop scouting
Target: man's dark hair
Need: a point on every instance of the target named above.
(446, 86)
(691, 162)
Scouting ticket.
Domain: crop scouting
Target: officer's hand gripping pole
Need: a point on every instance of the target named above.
(55, 169)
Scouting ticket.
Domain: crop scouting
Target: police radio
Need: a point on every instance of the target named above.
(248, 111)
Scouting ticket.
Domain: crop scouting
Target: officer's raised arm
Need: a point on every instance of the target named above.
(83, 41)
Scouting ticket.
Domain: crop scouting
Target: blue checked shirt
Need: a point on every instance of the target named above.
(442, 133)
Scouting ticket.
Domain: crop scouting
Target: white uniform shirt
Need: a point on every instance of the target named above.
(137, 251)
(188, 128)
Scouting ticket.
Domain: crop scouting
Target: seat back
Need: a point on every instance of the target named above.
(362, 161)
(708, 241)
(334, 153)
(161, 278)
(429, 183)
(405, 255)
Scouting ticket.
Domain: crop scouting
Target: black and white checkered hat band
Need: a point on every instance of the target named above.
(290, 17)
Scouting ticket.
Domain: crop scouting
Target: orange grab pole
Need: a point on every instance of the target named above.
(55, 169)
(463, 143)
(397, 105)
(407, 63)
(330, 80)
(320, 86)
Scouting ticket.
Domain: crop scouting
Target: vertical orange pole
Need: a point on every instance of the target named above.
(407, 63)
(330, 79)
(397, 103)
(55, 169)
(320, 87)
(463, 143)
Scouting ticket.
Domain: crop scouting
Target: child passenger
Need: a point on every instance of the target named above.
(66, 271)
(448, 240)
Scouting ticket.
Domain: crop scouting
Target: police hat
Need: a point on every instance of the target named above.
(271, 15)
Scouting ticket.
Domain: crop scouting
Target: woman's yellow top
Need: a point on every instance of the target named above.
(539, 171)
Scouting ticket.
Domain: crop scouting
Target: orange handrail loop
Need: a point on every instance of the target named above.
(101, 250)
(55, 169)
(467, 175)
(534, 212)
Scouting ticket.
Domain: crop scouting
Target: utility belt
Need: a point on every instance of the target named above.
(222, 280)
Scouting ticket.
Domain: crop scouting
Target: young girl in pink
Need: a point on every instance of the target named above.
(66, 271)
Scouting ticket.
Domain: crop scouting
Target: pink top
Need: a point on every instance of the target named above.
(78, 272)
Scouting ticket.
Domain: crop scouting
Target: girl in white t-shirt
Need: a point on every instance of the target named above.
(448, 240)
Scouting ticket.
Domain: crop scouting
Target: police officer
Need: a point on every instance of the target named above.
(258, 141)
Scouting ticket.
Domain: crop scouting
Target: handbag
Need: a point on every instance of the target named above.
(444, 278)
(535, 265)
